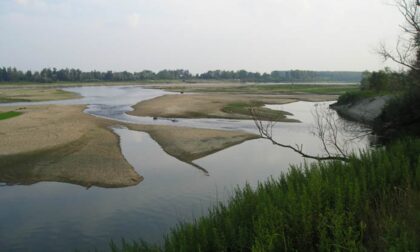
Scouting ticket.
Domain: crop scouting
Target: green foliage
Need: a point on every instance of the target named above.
(401, 116)
(10, 114)
(366, 204)
(384, 80)
(354, 96)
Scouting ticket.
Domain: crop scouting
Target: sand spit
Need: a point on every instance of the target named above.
(189, 144)
(61, 143)
(199, 105)
(211, 105)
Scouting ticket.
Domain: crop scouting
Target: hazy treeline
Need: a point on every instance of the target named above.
(46, 75)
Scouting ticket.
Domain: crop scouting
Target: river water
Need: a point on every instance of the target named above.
(51, 216)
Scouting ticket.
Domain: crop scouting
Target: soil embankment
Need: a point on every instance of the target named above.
(364, 111)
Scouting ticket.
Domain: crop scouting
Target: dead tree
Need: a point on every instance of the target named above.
(407, 49)
(334, 135)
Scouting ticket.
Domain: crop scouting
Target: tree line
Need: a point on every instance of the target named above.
(48, 75)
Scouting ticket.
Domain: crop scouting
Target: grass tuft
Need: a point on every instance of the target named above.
(9, 114)
(244, 108)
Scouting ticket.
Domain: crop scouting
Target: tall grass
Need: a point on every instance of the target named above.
(369, 203)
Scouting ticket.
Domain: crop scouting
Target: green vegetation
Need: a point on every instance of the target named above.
(48, 75)
(401, 116)
(383, 82)
(244, 108)
(368, 204)
(34, 94)
(355, 96)
(10, 100)
(273, 89)
(9, 114)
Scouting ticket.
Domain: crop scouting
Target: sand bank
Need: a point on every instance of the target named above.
(61, 143)
(189, 144)
(200, 105)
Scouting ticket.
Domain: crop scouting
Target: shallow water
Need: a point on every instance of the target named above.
(51, 216)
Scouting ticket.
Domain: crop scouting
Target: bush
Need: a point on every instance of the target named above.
(354, 96)
(384, 80)
(401, 115)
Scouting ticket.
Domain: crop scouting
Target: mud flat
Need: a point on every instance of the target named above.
(61, 143)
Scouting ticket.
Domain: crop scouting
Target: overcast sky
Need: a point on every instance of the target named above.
(199, 35)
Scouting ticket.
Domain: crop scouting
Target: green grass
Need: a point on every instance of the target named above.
(11, 100)
(10, 114)
(273, 89)
(244, 108)
(371, 203)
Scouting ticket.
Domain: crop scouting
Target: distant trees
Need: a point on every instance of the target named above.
(283, 76)
(47, 75)
(384, 80)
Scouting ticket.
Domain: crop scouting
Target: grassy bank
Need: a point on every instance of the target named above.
(271, 89)
(16, 94)
(9, 114)
(244, 108)
(371, 203)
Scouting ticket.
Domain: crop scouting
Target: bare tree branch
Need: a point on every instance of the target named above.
(406, 50)
(326, 131)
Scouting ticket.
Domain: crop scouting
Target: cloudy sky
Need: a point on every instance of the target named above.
(200, 35)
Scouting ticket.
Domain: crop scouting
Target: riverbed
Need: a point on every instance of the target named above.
(52, 216)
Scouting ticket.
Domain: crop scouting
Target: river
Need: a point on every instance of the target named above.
(51, 216)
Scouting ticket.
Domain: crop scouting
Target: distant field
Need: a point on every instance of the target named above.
(336, 89)
(8, 95)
